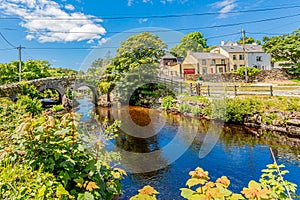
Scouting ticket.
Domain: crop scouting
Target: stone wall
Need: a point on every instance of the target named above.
(263, 76)
(283, 125)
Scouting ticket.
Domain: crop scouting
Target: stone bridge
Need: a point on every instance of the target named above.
(60, 84)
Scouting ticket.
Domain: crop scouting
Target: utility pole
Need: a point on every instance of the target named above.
(244, 54)
(20, 62)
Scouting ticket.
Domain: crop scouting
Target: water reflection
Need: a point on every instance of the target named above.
(237, 154)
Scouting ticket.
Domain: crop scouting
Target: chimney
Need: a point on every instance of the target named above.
(222, 43)
(189, 52)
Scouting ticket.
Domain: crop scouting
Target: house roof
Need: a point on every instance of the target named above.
(206, 55)
(249, 48)
(168, 55)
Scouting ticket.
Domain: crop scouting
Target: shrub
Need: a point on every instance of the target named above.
(21, 182)
(196, 111)
(55, 147)
(166, 102)
(184, 108)
(57, 108)
(238, 108)
(33, 106)
(250, 71)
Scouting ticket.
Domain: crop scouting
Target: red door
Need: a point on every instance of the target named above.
(189, 71)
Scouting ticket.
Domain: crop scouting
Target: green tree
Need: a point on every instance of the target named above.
(33, 69)
(285, 48)
(9, 73)
(143, 48)
(193, 41)
(249, 40)
(138, 50)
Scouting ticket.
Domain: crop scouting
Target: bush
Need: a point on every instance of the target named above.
(166, 102)
(55, 151)
(21, 182)
(196, 111)
(238, 108)
(250, 71)
(57, 108)
(184, 108)
(33, 106)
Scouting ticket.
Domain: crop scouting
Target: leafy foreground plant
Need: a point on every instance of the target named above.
(54, 163)
(271, 186)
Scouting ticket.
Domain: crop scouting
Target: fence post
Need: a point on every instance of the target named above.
(180, 87)
(172, 83)
(191, 89)
(200, 89)
(271, 90)
(235, 91)
(208, 90)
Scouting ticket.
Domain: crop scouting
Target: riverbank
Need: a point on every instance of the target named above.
(278, 116)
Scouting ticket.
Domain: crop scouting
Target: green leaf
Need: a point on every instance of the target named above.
(41, 191)
(186, 193)
(60, 190)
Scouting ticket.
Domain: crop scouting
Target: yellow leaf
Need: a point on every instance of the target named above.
(148, 190)
(224, 181)
(91, 185)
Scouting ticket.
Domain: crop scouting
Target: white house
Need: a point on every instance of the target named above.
(254, 55)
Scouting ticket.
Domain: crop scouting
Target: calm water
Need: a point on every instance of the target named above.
(236, 154)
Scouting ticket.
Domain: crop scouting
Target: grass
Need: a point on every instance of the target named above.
(200, 99)
(296, 80)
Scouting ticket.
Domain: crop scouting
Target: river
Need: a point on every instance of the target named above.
(184, 143)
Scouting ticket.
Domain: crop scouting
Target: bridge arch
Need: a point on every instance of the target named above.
(92, 88)
(61, 91)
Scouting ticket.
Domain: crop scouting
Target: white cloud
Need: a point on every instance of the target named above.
(166, 1)
(225, 6)
(38, 18)
(30, 37)
(131, 2)
(143, 20)
(69, 7)
(100, 42)
(103, 41)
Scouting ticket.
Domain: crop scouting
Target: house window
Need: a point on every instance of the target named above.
(204, 70)
(235, 67)
(223, 61)
(234, 57)
(213, 61)
(203, 62)
(259, 58)
(241, 57)
(242, 65)
(211, 70)
(221, 70)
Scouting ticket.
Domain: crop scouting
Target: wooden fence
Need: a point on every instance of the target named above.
(210, 89)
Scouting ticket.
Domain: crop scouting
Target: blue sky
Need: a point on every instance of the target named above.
(63, 31)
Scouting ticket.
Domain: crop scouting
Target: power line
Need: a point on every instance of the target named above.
(155, 16)
(180, 29)
(7, 40)
(261, 33)
(7, 49)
